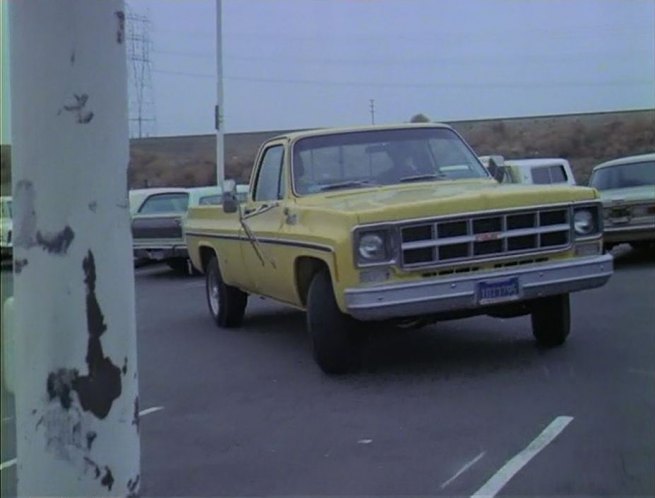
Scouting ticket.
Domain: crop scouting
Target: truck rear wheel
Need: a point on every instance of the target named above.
(551, 320)
(227, 304)
(336, 343)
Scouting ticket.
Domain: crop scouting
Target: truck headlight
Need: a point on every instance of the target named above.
(373, 246)
(586, 221)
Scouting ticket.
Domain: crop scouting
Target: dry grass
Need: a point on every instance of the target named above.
(583, 139)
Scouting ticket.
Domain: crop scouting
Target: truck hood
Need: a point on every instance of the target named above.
(401, 202)
(630, 194)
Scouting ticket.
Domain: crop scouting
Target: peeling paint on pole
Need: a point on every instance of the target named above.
(76, 378)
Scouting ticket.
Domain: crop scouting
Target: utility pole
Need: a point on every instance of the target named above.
(372, 109)
(220, 148)
(74, 309)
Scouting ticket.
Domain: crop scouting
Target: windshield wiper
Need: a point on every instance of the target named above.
(348, 184)
(418, 178)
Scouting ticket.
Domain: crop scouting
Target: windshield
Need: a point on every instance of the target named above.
(384, 157)
(624, 176)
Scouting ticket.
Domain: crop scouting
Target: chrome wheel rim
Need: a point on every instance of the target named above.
(212, 291)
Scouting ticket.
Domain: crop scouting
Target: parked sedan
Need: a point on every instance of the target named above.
(158, 221)
(627, 189)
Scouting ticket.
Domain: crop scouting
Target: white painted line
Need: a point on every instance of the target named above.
(365, 441)
(148, 411)
(7, 464)
(463, 469)
(509, 470)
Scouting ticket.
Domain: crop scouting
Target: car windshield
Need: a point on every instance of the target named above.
(381, 157)
(624, 176)
(165, 203)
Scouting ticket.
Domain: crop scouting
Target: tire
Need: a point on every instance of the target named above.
(227, 304)
(551, 320)
(336, 343)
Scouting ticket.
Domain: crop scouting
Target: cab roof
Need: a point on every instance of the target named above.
(626, 160)
(295, 135)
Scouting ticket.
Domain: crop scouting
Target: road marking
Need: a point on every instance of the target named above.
(365, 441)
(148, 411)
(463, 469)
(502, 477)
(7, 464)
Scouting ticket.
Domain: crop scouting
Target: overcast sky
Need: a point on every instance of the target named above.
(309, 63)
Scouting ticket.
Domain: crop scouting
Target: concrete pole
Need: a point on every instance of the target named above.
(76, 380)
(220, 148)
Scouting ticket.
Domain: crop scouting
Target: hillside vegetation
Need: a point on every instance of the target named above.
(583, 139)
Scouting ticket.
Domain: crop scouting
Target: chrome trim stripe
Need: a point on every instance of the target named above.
(281, 242)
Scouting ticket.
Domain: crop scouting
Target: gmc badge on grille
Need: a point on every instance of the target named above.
(483, 237)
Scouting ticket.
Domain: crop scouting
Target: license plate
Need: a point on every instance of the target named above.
(498, 291)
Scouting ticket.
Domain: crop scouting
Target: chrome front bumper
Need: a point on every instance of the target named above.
(461, 293)
(628, 233)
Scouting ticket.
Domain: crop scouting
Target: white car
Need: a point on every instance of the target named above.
(7, 227)
(158, 221)
(627, 189)
(538, 171)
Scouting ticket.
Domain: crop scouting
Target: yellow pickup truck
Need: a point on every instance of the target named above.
(395, 223)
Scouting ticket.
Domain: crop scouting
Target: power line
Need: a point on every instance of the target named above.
(464, 84)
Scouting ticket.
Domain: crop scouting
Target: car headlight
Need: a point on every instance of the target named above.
(584, 221)
(373, 247)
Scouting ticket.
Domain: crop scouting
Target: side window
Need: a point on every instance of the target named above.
(165, 203)
(541, 176)
(557, 174)
(269, 178)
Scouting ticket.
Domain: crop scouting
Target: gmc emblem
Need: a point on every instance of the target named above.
(483, 237)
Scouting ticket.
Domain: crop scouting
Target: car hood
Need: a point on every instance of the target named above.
(630, 194)
(400, 202)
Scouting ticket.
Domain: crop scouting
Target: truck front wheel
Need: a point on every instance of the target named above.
(336, 342)
(551, 320)
(227, 304)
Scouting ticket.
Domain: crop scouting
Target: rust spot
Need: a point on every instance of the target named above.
(107, 479)
(120, 32)
(135, 416)
(90, 437)
(60, 385)
(56, 243)
(102, 385)
(19, 264)
(77, 106)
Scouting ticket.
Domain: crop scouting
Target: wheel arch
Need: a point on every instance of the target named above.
(305, 268)
(206, 253)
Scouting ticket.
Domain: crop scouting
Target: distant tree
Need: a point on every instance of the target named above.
(419, 118)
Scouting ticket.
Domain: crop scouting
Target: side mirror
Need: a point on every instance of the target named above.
(230, 201)
(497, 167)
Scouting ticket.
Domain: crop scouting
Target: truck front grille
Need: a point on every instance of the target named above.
(482, 236)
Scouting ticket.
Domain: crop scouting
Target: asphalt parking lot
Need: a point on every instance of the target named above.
(460, 408)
